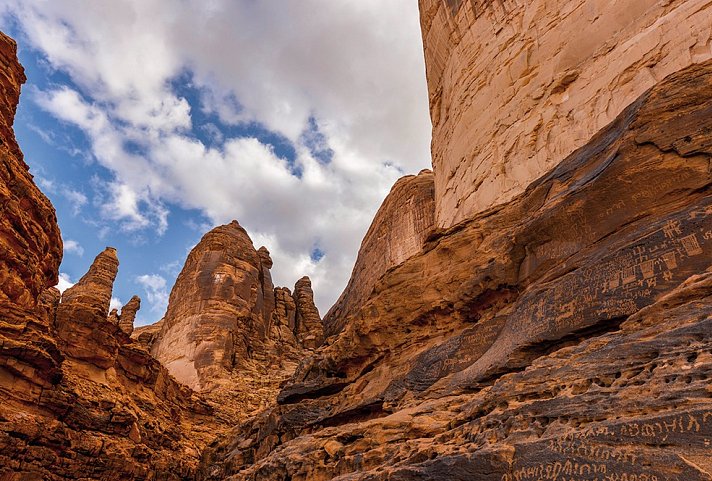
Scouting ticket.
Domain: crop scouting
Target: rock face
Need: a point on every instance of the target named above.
(562, 335)
(516, 86)
(397, 232)
(221, 309)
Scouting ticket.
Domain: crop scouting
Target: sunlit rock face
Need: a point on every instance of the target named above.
(516, 86)
(398, 231)
(221, 313)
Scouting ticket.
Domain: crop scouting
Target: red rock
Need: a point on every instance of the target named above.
(543, 334)
(227, 327)
(308, 326)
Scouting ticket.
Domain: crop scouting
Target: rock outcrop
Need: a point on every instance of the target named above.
(397, 232)
(30, 252)
(518, 85)
(562, 335)
(221, 313)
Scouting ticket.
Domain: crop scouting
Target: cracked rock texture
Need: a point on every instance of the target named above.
(538, 308)
(517, 85)
(562, 335)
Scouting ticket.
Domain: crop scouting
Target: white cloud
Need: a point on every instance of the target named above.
(64, 282)
(343, 78)
(115, 304)
(156, 291)
(73, 247)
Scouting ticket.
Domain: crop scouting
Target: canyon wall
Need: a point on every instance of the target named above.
(516, 86)
(79, 399)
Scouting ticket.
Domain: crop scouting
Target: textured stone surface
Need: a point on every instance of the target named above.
(397, 232)
(516, 86)
(213, 315)
(128, 314)
(563, 335)
(220, 318)
(308, 326)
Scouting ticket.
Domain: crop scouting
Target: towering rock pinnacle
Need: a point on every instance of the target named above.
(308, 326)
(220, 312)
(128, 315)
(84, 308)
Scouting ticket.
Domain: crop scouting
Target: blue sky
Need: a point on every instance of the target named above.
(147, 125)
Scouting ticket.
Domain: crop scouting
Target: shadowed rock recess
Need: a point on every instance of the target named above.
(556, 329)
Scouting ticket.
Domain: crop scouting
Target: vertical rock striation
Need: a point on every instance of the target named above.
(516, 86)
(128, 315)
(564, 334)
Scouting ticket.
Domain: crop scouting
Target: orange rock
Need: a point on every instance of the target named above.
(128, 314)
(224, 314)
(516, 86)
(398, 231)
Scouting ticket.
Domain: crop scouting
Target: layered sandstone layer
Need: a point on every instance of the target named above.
(562, 335)
(397, 232)
(227, 331)
(516, 86)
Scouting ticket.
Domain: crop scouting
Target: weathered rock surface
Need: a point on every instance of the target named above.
(79, 399)
(562, 335)
(308, 326)
(221, 314)
(128, 314)
(397, 232)
(516, 86)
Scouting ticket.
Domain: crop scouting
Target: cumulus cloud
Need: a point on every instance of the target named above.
(73, 247)
(341, 82)
(156, 291)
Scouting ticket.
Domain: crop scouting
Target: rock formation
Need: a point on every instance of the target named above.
(221, 310)
(79, 399)
(518, 85)
(128, 314)
(397, 232)
(561, 335)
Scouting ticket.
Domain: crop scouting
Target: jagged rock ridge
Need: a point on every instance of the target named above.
(223, 315)
(397, 232)
(79, 399)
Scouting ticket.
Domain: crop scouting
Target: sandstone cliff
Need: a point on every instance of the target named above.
(518, 85)
(557, 325)
(397, 232)
(562, 335)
